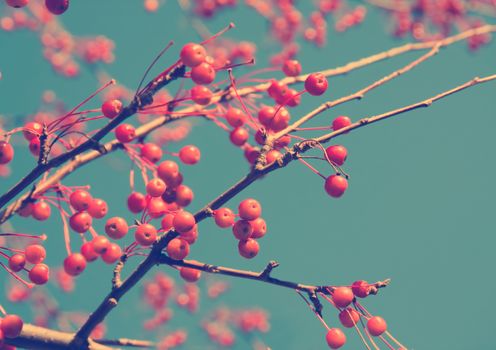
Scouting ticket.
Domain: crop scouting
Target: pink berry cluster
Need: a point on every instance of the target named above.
(61, 49)
(248, 229)
(222, 323)
(423, 20)
(29, 259)
(352, 314)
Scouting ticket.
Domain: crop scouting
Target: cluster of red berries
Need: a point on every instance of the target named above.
(349, 317)
(60, 48)
(247, 229)
(189, 298)
(159, 292)
(219, 324)
(10, 327)
(207, 8)
(202, 71)
(31, 132)
(35, 255)
(57, 7)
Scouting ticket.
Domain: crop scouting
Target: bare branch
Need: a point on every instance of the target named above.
(39, 338)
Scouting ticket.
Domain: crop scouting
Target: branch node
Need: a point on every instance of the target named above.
(265, 274)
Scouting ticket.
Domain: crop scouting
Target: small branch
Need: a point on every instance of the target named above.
(126, 112)
(355, 96)
(116, 280)
(221, 96)
(44, 147)
(268, 269)
(127, 342)
(39, 338)
(306, 145)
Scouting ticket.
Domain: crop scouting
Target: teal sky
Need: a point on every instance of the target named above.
(419, 209)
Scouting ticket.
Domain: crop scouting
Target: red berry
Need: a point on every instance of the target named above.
(34, 147)
(341, 122)
(239, 136)
(337, 154)
(259, 228)
(116, 227)
(39, 274)
(111, 108)
(242, 229)
(57, 7)
(335, 338)
(291, 68)
(235, 117)
(251, 154)
(316, 84)
(335, 185)
(360, 288)
(277, 89)
(156, 207)
(41, 211)
(145, 235)
(136, 202)
(342, 296)
(272, 156)
(376, 326)
(201, 95)
(151, 152)
(265, 115)
(280, 120)
(98, 208)
(125, 133)
(291, 98)
(189, 155)
(183, 221)
(190, 236)
(112, 254)
(349, 317)
(155, 187)
(203, 74)
(32, 130)
(224, 217)
(189, 274)
(26, 210)
(35, 253)
(167, 222)
(100, 244)
(74, 264)
(80, 200)
(88, 252)
(193, 54)
(249, 209)
(81, 222)
(17, 262)
(17, 3)
(184, 195)
(248, 248)
(178, 249)
(6, 152)
(11, 326)
(168, 170)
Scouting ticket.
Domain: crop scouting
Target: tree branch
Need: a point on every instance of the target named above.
(227, 95)
(39, 338)
(126, 112)
(156, 256)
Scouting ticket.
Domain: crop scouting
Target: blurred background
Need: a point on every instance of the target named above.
(419, 208)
